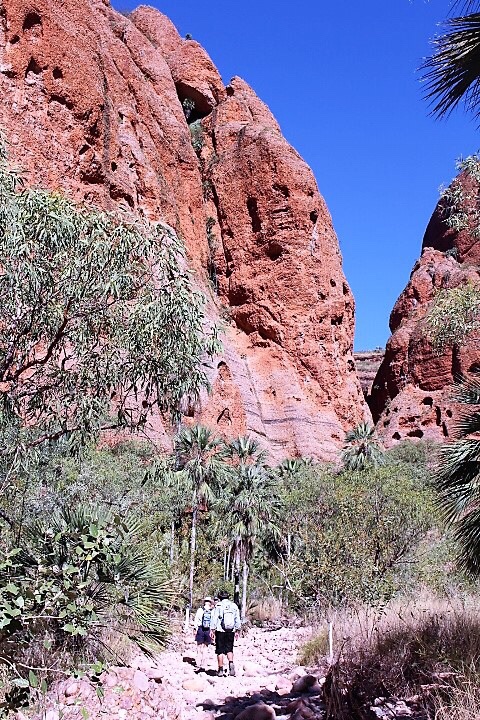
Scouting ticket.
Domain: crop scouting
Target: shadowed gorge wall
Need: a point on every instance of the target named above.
(412, 392)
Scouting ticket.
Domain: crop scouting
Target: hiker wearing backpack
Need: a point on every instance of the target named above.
(202, 625)
(225, 623)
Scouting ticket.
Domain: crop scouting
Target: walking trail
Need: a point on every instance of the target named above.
(268, 683)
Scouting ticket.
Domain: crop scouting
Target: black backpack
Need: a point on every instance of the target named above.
(206, 618)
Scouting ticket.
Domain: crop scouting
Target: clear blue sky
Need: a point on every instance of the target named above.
(341, 79)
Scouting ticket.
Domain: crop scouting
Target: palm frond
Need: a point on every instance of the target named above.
(465, 6)
(467, 390)
(452, 73)
(467, 534)
(467, 424)
(362, 449)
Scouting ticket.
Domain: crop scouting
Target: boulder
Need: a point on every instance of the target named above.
(140, 680)
(411, 396)
(259, 711)
(195, 684)
(306, 684)
(281, 683)
(156, 674)
(253, 669)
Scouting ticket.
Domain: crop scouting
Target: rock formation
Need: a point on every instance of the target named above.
(367, 363)
(120, 111)
(412, 392)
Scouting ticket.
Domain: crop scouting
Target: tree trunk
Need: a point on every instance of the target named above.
(172, 542)
(193, 545)
(236, 575)
(244, 590)
(227, 568)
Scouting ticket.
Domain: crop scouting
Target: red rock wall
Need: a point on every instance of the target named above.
(412, 392)
(91, 102)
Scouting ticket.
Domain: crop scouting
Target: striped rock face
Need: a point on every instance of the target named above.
(120, 111)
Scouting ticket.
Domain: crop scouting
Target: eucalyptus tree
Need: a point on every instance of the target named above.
(202, 460)
(99, 323)
(362, 449)
(457, 476)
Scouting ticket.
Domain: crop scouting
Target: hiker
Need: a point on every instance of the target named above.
(225, 623)
(202, 625)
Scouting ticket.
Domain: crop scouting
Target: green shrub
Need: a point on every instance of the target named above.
(352, 534)
(196, 133)
(96, 310)
(453, 315)
(72, 583)
(315, 649)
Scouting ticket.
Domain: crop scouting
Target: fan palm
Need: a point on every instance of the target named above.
(202, 459)
(458, 476)
(362, 449)
(78, 577)
(244, 451)
(248, 510)
(452, 73)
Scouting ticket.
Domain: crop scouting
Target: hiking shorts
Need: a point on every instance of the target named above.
(224, 642)
(202, 636)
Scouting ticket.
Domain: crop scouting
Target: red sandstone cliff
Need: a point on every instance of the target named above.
(411, 396)
(91, 102)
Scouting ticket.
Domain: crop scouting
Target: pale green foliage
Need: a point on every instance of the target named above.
(362, 449)
(452, 316)
(470, 165)
(351, 532)
(458, 477)
(196, 134)
(459, 206)
(454, 213)
(99, 322)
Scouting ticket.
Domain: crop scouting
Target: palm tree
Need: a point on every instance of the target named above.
(201, 458)
(458, 476)
(452, 73)
(249, 510)
(288, 471)
(362, 449)
(243, 451)
(246, 451)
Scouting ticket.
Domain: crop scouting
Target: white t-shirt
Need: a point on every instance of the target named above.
(217, 615)
(199, 617)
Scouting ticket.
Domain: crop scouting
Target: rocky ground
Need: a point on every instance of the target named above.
(269, 683)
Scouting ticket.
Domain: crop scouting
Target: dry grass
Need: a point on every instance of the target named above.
(429, 647)
(314, 649)
(463, 703)
(264, 610)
